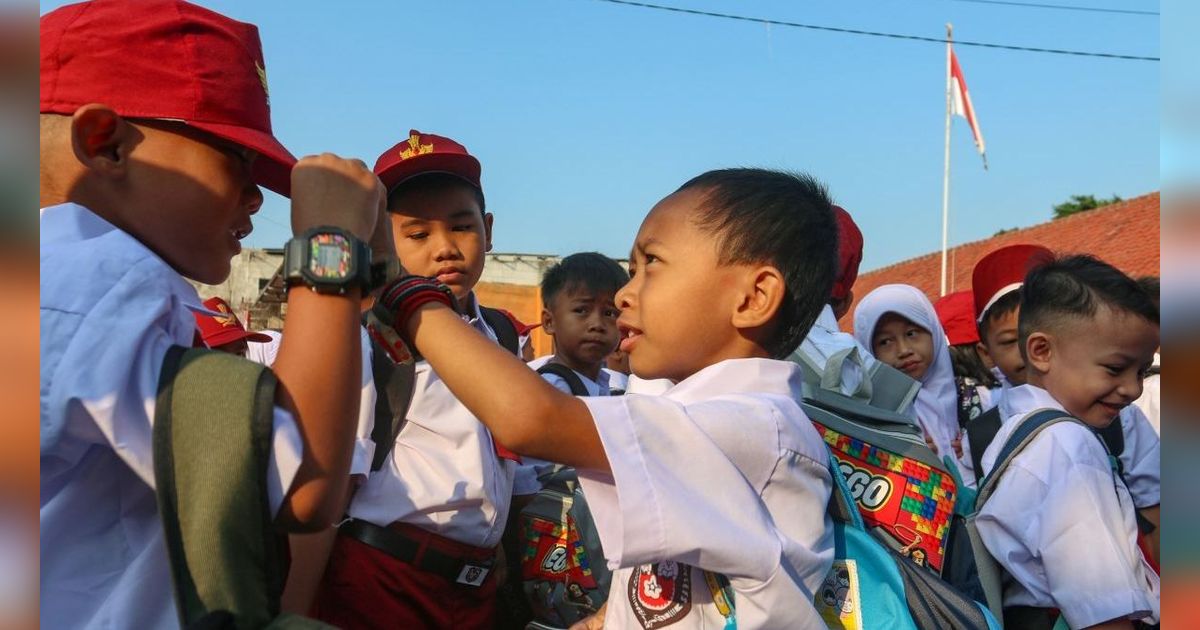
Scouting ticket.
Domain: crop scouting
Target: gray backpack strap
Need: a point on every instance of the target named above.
(891, 389)
(213, 421)
(394, 370)
(990, 572)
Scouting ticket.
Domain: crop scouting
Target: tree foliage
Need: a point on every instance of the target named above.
(1081, 203)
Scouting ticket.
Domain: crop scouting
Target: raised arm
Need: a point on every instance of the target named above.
(523, 411)
(319, 362)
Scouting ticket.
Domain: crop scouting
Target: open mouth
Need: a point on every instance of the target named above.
(629, 337)
(1112, 408)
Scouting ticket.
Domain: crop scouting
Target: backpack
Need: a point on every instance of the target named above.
(394, 370)
(562, 568)
(990, 571)
(212, 441)
(872, 585)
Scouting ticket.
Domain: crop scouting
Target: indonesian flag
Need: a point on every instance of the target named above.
(960, 103)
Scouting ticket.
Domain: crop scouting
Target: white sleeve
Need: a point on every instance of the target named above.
(1086, 554)
(674, 494)
(1140, 459)
(364, 446)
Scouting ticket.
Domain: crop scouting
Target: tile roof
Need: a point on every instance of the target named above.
(1124, 234)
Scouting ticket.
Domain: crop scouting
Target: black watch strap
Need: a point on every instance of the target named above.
(344, 260)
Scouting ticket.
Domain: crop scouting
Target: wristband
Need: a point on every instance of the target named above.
(404, 295)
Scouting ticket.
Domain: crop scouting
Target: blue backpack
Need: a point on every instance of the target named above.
(871, 585)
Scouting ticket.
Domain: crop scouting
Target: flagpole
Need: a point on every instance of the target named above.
(946, 173)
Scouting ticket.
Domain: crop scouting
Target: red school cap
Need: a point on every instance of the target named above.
(165, 60)
(850, 251)
(423, 153)
(1003, 271)
(226, 328)
(954, 311)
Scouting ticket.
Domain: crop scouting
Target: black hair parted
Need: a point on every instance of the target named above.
(591, 271)
(1076, 286)
(1007, 303)
(778, 218)
(433, 181)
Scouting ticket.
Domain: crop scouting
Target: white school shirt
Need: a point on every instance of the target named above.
(525, 481)
(723, 472)
(617, 381)
(826, 339)
(1149, 400)
(443, 474)
(264, 352)
(1063, 526)
(1139, 459)
(110, 309)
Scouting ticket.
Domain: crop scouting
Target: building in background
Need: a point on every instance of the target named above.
(1125, 235)
(255, 289)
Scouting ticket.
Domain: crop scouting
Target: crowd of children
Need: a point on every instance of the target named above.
(672, 398)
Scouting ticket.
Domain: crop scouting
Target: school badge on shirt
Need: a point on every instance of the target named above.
(661, 593)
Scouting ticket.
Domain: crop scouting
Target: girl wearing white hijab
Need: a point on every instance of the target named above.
(897, 323)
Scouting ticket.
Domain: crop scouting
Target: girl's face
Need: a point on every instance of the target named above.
(903, 345)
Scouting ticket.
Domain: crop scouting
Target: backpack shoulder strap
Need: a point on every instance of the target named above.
(566, 374)
(394, 371)
(980, 433)
(1114, 437)
(212, 438)
(506, 331)
(1030, 428)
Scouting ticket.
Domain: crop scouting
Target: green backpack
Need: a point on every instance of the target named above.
(212, 442)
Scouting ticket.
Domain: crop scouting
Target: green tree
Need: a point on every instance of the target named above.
(1081, 203)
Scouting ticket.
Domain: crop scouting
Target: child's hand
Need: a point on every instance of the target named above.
(329, 190)
(930, 444)
(957, 444)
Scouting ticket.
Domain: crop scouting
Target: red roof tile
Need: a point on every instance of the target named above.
(1124, 234)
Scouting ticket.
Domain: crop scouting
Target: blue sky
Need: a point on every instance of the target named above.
(584, 113)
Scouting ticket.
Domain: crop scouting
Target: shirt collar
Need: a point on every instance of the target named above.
(740, 376)
(71, 222)
(827, 320)
(1023, 399)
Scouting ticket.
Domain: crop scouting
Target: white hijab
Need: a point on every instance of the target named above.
(937, 400)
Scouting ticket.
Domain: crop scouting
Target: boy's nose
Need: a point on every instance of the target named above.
(624, 296)
(445, 248)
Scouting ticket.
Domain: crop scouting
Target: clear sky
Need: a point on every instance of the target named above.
(585, 113)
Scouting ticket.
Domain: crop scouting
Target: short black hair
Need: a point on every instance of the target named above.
(433, 182)
(594, 272)
(1007, 303)
(1076, 286)
(1150, 284)
(782, 219)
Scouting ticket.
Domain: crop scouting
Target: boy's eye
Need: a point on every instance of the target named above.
(612, 312)
(418, 236)
(463, 228)
(580, 310)
(1114, 369)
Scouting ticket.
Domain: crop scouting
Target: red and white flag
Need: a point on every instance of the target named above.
(960, 103)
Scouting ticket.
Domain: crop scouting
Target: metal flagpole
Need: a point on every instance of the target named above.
(946, 174)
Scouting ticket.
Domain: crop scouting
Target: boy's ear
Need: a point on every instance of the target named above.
(548, 322)
(1039, 349)
(984, 356)
(487, 230)
(102, 140)
(762, 294)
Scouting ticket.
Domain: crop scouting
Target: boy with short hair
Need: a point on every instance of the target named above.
(710, 500)
(1060, 521)
(155, 134)
(996, 283)
(419, 546)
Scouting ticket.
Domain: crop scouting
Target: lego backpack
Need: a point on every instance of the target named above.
(563, 572)
(212, 440)
(873, 585)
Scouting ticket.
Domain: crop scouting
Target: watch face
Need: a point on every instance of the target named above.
(329, 256)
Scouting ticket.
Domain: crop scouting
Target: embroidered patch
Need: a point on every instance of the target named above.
(837, 599)
(660, 594)
(415, 148)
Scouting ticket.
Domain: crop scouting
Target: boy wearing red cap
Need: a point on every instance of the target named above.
(224, 331)
(825, 338)
(155, 134)
(996, 282)
(419, 547)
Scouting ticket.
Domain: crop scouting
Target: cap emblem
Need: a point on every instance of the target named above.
(415, 147)
(262, 78)
(227, 320)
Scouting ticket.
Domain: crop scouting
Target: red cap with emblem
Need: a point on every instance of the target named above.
(954, 311)
(1002, 272)
(423, 153)
(850, 250)
(226, 328)
(166, 60)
